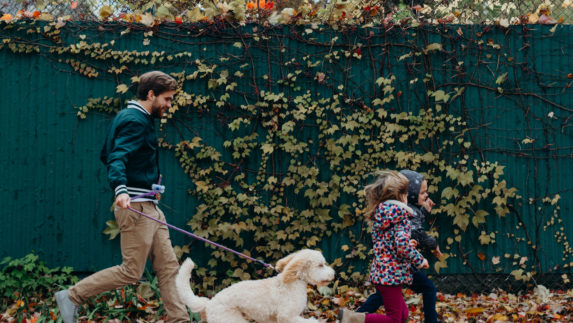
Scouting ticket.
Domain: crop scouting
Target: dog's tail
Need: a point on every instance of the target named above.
(195, 303)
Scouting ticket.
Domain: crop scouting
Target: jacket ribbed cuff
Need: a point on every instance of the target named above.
(120, 190)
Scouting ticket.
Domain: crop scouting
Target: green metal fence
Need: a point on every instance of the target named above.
(517, 104)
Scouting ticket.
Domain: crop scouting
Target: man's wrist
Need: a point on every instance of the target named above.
(120, 189)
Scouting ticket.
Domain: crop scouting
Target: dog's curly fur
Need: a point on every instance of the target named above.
(281, 298)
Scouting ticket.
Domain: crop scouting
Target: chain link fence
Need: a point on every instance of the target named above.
(433, 11)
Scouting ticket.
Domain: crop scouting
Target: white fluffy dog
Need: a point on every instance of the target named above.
(278, 299)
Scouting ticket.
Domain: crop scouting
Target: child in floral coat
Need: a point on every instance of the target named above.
(393, 253)
(421, 204)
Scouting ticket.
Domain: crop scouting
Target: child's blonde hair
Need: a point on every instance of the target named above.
(389, 185)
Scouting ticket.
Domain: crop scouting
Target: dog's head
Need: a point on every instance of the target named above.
(306, 265)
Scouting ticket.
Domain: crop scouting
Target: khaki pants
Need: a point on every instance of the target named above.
(140, 238)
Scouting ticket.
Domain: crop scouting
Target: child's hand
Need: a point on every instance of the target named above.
(424, 264)
(438, 253)
(413, 243)
(428, 204)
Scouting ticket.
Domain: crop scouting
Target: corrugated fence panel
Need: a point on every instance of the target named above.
(58, 199)
(51, 166)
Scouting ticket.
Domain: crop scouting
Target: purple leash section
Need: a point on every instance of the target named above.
(152, 193)
(202, 239)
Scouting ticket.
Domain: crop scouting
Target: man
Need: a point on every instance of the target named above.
(130, 154)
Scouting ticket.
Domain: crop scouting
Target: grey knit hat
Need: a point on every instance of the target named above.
(415, 182)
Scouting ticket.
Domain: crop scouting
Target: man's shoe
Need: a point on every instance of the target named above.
(68, 309)
(346, 316)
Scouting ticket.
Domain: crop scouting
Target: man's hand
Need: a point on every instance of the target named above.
(123, 200)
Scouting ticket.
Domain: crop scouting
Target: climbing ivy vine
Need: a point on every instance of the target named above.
(280, 128)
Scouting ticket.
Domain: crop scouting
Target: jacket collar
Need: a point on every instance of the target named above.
(402, 205)
(133, 104)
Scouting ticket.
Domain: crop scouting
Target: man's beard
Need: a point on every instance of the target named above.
(156, 111)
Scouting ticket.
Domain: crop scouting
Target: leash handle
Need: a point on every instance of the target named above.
(202, 239)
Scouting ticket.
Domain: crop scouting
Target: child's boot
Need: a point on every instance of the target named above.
(346, 316)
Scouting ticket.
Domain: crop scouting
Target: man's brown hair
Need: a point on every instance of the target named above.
(156, 81)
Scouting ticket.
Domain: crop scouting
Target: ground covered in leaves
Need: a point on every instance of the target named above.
(538, 305)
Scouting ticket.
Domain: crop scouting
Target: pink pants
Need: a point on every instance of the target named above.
(394, 304)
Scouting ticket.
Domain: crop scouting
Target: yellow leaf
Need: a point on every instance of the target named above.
(475, 310)
(519, 274)
(462, 221)
(267, 148)
(105, 12)
(195, 15)
(122, 88)
(484, 238)
(479, 218)
(148, 20)
(498, 317)
(112, 229)
(432, 47)
(442, 263)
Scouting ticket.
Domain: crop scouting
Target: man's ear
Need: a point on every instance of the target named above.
(150, 95)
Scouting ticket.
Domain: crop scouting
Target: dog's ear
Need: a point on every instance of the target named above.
(296, 268)
(281, 264)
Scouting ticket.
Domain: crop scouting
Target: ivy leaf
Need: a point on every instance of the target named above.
(479, 218)
(287, 181)
(267, 148)
(433, 47)
(272, 180)
(519, 274)
(179, 251)
(223, 77)
(145, 290)
(466, 178)
(528, 140)
(462, 221)
(501, 78)
(484, 238)
(450, 192)
(212, 84)
(112, 229)
(122, 88)
(442, 263)
(440, 95)
(311, 242)
(404, 56)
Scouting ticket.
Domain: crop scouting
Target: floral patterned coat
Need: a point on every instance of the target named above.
(393, 255)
